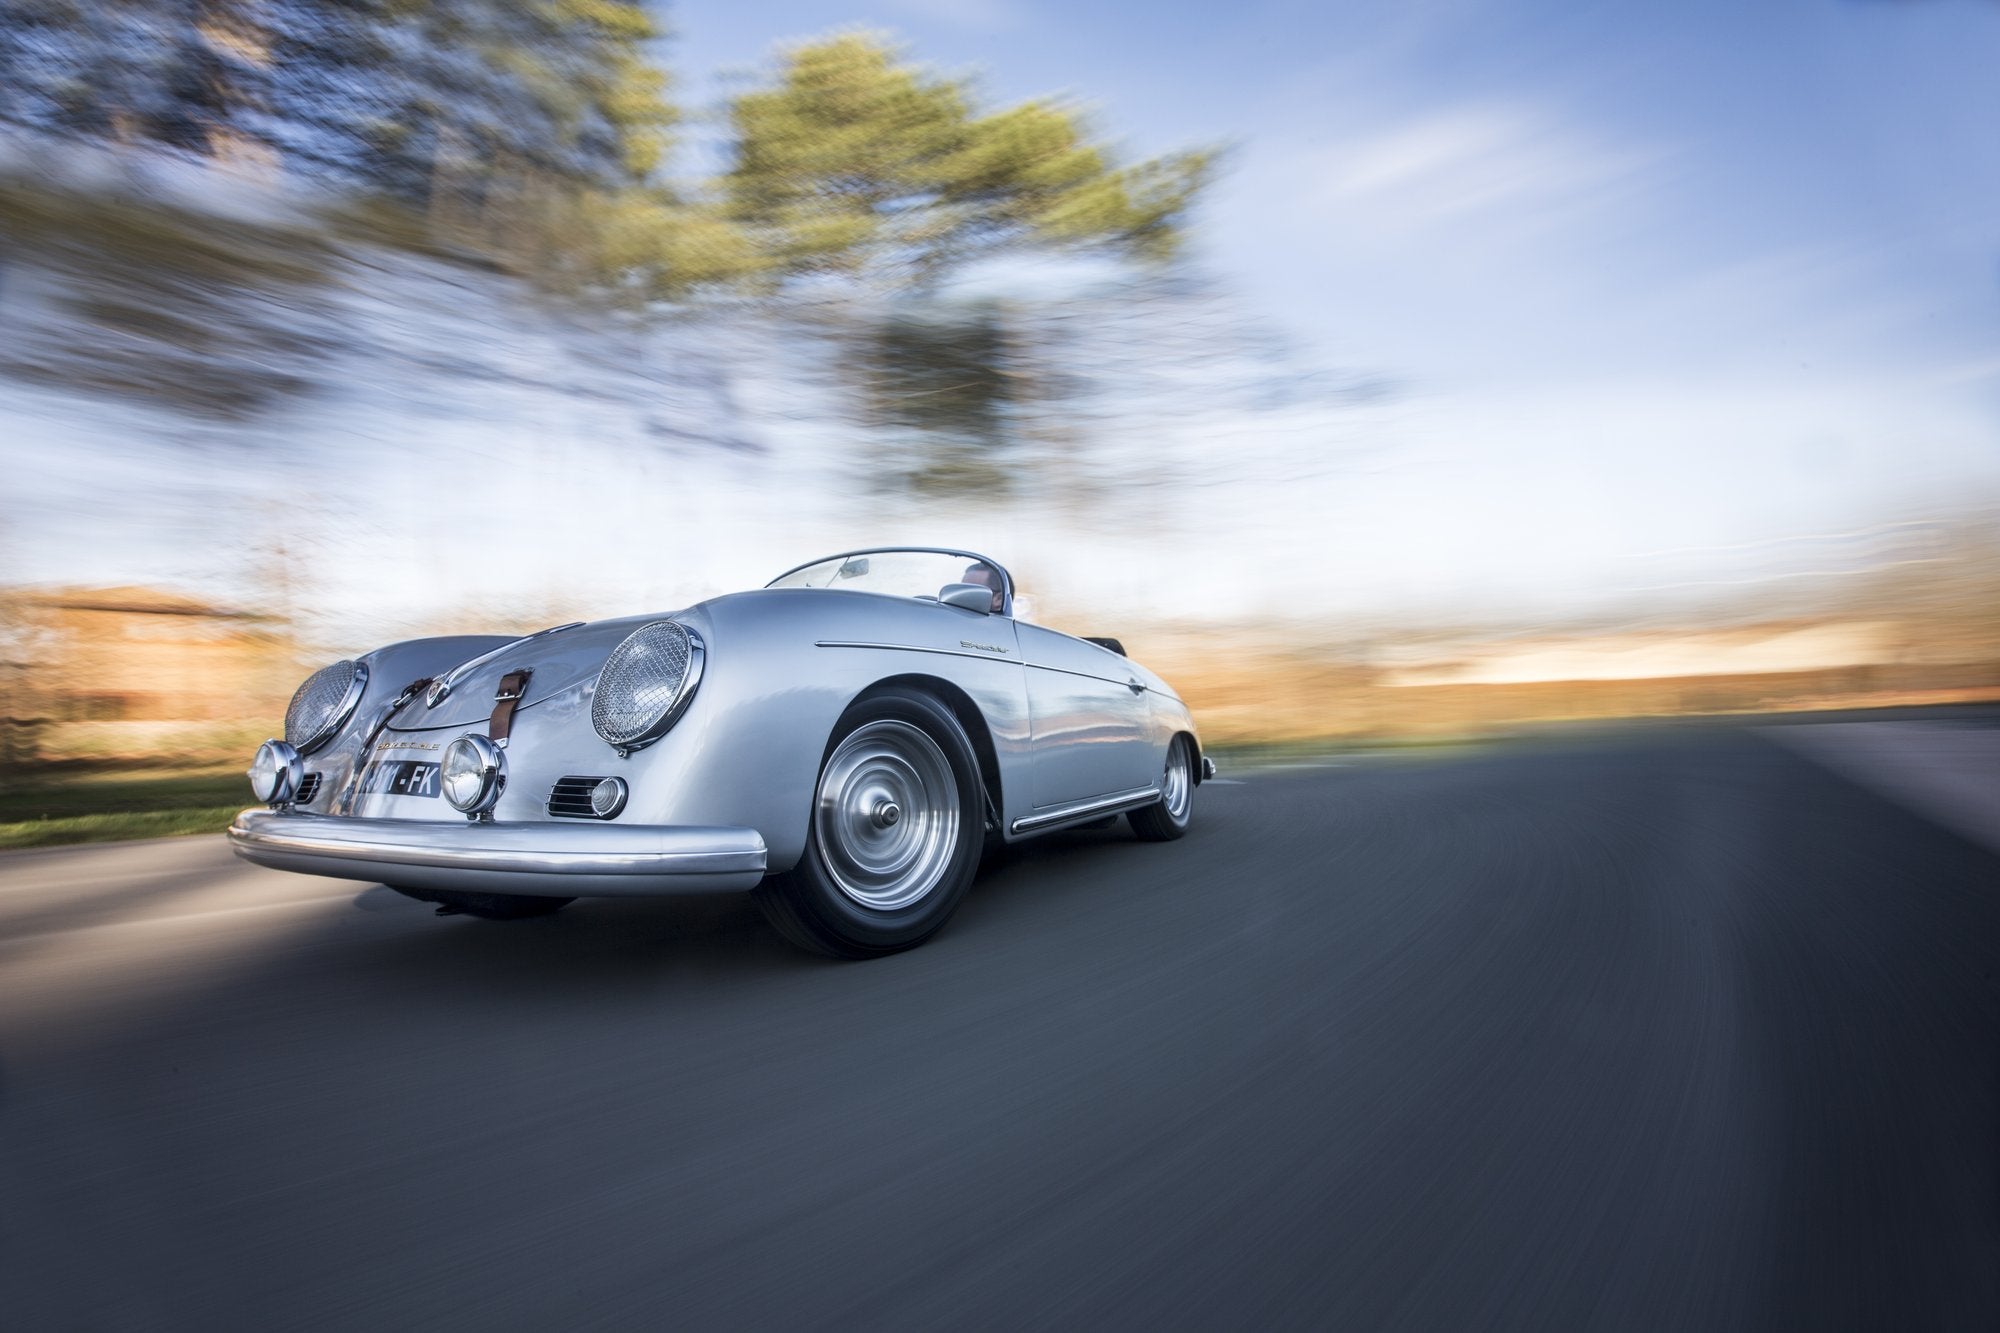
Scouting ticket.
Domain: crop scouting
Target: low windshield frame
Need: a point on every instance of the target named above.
(1006, 607)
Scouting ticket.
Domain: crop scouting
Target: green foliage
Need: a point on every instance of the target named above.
(538, 132)
(650, 244)
(859, 163)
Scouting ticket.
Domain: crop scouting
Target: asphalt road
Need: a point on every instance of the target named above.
(1674, 1028)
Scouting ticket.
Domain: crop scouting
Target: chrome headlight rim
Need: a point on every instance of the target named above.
(488, 768)
(276, 772)
(626, 742)
(329, 725)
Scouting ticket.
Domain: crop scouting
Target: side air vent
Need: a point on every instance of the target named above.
(586, 798)
(307, 790)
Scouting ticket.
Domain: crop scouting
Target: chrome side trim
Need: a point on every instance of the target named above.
(591, 858)
(915, 648)
(1133, 683)
(1091, 809)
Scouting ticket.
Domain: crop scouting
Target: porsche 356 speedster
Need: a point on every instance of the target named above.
(846, 743)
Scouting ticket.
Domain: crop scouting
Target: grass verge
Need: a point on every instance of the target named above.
(48, 809)
(118, 827)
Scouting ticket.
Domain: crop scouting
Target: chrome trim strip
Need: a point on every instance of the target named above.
(1101, 805)
(501, 849)
(917, 648)
(441, 688)
(1085, 675)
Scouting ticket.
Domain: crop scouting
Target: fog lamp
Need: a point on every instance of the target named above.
(276, 772)
(473, 774)
(607, 798)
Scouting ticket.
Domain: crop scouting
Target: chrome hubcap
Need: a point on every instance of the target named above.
(1177, 783)
(886, 815)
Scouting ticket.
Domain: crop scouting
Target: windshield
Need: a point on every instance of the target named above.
(901, 573)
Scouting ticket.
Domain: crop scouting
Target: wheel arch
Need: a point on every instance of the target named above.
(969, 717)
(1194, 744)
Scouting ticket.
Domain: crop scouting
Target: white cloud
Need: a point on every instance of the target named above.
(1492, 161)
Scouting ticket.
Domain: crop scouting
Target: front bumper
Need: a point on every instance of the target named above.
(567, 860)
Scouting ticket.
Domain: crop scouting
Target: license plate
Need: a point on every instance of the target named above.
(401, 777)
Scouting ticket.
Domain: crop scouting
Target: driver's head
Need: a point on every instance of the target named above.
(986, 577)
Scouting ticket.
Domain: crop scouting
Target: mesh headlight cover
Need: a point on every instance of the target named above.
(645, 683)
(322, 705)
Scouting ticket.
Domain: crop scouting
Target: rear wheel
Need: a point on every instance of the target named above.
(896, 833)
(487, 906)
(1168, 817)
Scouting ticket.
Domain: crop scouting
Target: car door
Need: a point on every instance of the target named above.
(1088, 715)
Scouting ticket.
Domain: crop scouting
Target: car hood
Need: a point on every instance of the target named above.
(559, 661)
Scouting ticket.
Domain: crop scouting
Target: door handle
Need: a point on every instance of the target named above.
(1134, 686)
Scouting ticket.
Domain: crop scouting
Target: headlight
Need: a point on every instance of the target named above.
(473, 774)
(323, 704)
(646, 684)
(276, 772)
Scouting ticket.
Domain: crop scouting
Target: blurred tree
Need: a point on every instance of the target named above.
(855, 164)
(937, 383)
(462, 104)
(859, 163)
(180, 73)
(484, 101)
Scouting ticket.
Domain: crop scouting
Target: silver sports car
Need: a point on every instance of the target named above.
(846, 742)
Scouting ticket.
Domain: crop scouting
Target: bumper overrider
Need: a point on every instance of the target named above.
(483, 857)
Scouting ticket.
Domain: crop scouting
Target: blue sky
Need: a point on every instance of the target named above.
(1652, 277)
(1667, 294)
(1509, 162)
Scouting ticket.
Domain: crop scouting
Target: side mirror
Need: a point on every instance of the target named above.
(968, 596)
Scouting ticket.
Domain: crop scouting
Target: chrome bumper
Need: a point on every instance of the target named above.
(570, 860)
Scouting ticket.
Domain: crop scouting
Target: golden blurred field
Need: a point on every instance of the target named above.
(100, 680)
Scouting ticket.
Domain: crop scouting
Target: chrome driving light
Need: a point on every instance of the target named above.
(473, 774)
(323, 704)
(276, 772)
(646, 684)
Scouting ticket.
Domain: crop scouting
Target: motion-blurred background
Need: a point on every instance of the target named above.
(1377, 373)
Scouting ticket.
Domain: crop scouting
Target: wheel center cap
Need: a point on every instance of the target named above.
(884, 814)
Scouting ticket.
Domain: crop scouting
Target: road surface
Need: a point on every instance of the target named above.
(1680, 1027)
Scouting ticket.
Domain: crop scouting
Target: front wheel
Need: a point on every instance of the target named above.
(1168, 818)
(896, 834)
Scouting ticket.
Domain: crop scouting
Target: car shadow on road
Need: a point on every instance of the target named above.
(595, 946)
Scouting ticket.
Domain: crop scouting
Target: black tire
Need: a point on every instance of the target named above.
(871, 882)
(1168, 818)
(486, 906)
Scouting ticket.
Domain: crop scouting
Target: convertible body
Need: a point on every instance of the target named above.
(586, 794)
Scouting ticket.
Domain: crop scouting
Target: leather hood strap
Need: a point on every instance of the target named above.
(513, 686)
